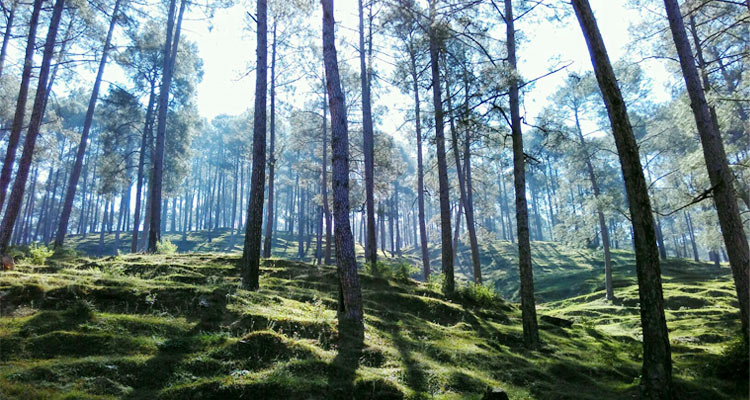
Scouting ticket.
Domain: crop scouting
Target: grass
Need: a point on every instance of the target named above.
(181, 327)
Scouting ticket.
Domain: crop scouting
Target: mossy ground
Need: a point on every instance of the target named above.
(181, 327)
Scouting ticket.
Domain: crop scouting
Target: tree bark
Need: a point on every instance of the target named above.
(20, 113)
(371, 248)
(7, 35)
(657, 364)
(170, 54)
(528, 308)
(610, 294)
(24, 164)
(444, 187)
(719, 174)
(350, 297)
(251, 251)
(420, 167)
(268, 244)
(75, 174)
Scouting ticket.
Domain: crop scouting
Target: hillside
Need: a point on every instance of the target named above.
(179, 327)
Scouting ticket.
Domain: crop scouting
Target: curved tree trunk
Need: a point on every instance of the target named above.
(657, 364)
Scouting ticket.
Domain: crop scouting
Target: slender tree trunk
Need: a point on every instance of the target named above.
(170, 53)
(420, 167)
(350, 297)
(718, 168)
(657, 364)
(599, 212)
(20, 113)
(141, 164)
(251, 251)
(40, 100)
(75, 174)
(444, 187)
(371, 248)
(528, 308)
(270, 216)
(324, 188)
(7, 35)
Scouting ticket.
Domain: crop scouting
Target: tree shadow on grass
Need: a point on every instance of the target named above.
(344, 366)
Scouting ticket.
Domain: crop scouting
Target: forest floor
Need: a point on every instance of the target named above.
(180, 327)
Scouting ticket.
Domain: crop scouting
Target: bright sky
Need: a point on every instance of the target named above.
(228, 49)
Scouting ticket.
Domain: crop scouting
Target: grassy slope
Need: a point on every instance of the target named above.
(178, 327)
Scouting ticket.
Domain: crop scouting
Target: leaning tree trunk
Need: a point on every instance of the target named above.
(610, 294)
(75, 174)
(350, 297)
(157, 173)
(251, 251)
(444, 187)
(20, 114)
(268, 244)
(371, 247)
(40, 100)
(657, 363)
(528, 307)
(718, 168)
(420, 169)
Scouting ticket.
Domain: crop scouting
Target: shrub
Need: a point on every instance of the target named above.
(478, 294)
(39, 253)
(403, 271)
(166, 246)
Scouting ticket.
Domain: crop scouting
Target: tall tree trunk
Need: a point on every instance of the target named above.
(691, 233)
(599, 212)
(657, 363)
(141, 164)
(7, 35)
(268, 244)
(324, 188)
(444, 187)
(251, 250)
(75, 174)
(350, 297)
(371, 248)
(718, 168)
(20, 113)
(467, 210)
(24, 164)
(170, 53)
(528, 308)
(420, 167)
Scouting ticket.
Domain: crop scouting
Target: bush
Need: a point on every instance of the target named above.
(480, 295)
(39, 253)
(166, 246)
(403, 271)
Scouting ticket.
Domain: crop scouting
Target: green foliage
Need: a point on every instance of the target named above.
(401, 271)
(165, 246)
(39, 253)
(481, 295)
